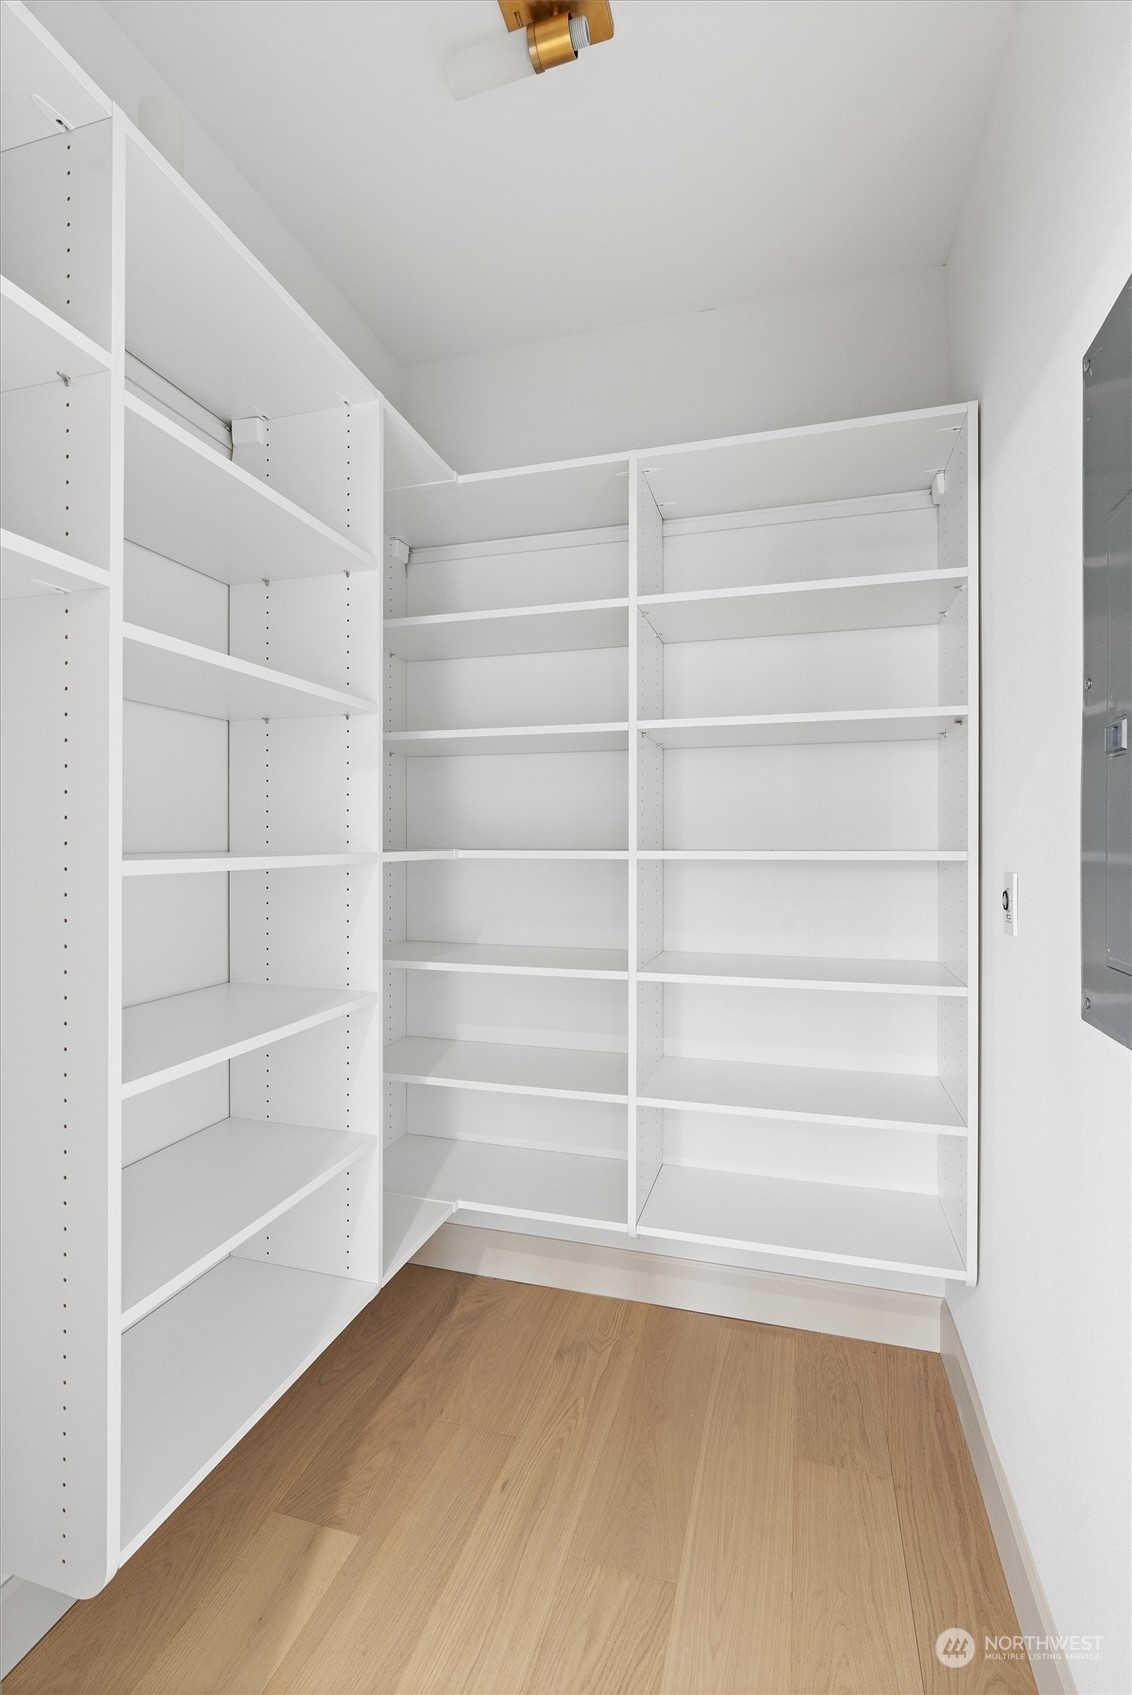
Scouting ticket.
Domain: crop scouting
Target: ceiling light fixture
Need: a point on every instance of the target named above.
(541, 35)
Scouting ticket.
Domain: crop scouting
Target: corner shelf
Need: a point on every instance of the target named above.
(199, 1371)
(565, 628)
(189, 1205)
(38, 346)
(583, 1074)
(161, 670)
(880, 1229)
(766, 971)
(188, 502)
(874, 1100)
(29, 567)
(527, 738)
(520, 961)
(889, 724)
(562, 1188)
(408, 1223)
(883, 601)
(170, 1038)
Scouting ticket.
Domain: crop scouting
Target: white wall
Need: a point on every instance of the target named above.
(1042, 249)
(109, 56)
(858, 348)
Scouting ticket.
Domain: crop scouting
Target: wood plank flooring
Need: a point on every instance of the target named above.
(489, 1487)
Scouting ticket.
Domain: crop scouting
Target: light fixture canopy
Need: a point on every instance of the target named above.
(531, 14)
(556, 31)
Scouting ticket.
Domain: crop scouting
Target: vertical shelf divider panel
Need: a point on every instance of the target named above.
(958, 1021)
(646, 816)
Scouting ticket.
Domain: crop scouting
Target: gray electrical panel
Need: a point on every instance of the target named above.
(1106, 762)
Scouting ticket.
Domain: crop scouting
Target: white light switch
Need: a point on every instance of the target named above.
(1010, 903)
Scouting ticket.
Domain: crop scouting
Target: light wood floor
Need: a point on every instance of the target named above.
(490, 1487)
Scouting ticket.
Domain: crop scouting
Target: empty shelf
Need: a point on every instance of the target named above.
(28, 567)
(502, 1178)
(896, 724)
(202, 309)
(527, 961)
(885, 976)
(883, 1100)
(528, 738)
(187, 1206)
(396, 856)
(169, 1038)
(514, 629)
(831, 856)
(186, 501)
(782, 609)
(204, 1367)
(509, 1068)
(162, 670)
(38, 346)
(407, 1224)
(884, 1229)
(183, 864)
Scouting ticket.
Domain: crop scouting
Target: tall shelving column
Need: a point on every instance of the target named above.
(62, 353)
(822, 768)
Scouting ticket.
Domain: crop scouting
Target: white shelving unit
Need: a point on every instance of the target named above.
(586, 849)
(192, 1171)
(798, 663)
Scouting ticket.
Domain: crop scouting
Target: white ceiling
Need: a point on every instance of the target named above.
(714, 151)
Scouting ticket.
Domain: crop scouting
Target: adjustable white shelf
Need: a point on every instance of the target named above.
(582, 1074)
(897, 724)
(509, 630)
(878, 1100)
(834, 1224)
(186, 864)
(820, 856)
(784, 609)
(518, 961)
(767, 971)
(408, 1225)
(203, 1368)
(160, 670)
(203, 311)
(408, 856)
(527, 738)
(187, 502)
(185, 1208)
(170, 1038)
(29, 568)
(38, 346)
(533, 1183)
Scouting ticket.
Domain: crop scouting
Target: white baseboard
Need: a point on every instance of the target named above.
(27, 1612)
(1052, 1675)
(800, 1303)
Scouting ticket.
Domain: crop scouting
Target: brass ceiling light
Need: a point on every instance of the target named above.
(554, 31)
